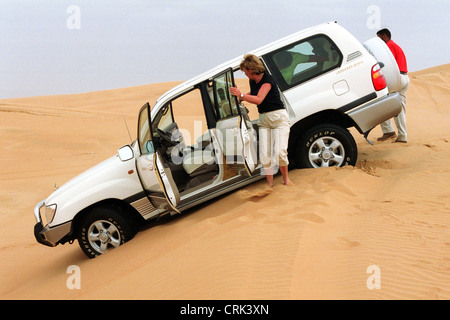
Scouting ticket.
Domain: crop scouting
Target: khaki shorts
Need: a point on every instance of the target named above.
(274, 130)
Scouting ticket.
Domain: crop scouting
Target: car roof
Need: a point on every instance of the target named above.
(234, 63)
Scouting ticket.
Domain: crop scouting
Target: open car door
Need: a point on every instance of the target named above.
(234, 118)
(150, 165)
(248, 142)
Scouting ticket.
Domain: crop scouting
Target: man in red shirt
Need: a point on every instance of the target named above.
(400, 119)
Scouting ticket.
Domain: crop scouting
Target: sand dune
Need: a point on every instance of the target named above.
(319, 238)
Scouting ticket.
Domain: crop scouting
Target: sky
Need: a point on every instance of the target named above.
(50, 47)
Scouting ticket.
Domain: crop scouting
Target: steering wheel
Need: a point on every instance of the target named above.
(167, 137)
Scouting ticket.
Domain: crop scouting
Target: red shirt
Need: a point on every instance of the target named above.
(398, 55)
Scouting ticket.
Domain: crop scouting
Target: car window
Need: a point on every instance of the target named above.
(164, 118)
(225, 104)
(304, 60)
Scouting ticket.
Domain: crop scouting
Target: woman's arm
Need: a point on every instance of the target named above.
(262, 93)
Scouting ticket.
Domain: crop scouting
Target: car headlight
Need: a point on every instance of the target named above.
(47, 214)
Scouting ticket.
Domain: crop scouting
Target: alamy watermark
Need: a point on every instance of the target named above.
(373, 21)
(73, 21)
(74, 280)
(231, 141)
(374, 280)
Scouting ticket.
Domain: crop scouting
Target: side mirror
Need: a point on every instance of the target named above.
(125, 153)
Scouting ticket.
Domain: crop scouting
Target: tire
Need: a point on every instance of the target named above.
(103, 229)
(326, 145)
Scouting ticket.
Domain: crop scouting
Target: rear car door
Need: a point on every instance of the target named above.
(239, 141)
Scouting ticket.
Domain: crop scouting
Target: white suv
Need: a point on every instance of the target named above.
(180, 159)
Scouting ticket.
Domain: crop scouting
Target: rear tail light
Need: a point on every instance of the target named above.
(379, 81)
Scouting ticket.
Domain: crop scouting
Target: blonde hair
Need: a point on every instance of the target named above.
(253, 63)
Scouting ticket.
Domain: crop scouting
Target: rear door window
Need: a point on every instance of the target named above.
(226, 104)
(303, 60)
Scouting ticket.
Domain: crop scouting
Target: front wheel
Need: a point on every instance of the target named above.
(103, 229)
(326, 145)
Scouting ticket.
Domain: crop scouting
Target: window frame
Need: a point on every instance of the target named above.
(232, 100)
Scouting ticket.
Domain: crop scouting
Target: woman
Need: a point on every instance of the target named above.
(273, 121)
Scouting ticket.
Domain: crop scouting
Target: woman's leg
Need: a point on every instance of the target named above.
(269, 176)
(265, 148)
(284, 173)
(282, 136)
(265, 152)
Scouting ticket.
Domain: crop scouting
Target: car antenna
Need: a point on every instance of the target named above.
(131, 140)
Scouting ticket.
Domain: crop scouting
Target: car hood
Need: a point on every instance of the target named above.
(96, 174)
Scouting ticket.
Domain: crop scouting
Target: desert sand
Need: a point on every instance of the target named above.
(323, 237)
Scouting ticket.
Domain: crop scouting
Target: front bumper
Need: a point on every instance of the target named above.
(49, 236)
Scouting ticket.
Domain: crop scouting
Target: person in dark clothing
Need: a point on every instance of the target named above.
(273, 123)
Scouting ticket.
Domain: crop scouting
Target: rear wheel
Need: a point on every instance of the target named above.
(325, 145)
(103, 229)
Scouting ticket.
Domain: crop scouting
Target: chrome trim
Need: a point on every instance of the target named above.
(37, 209)
(55, 234)
(354, 55)
(143, 206)
(45, 234)
(52, 207)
